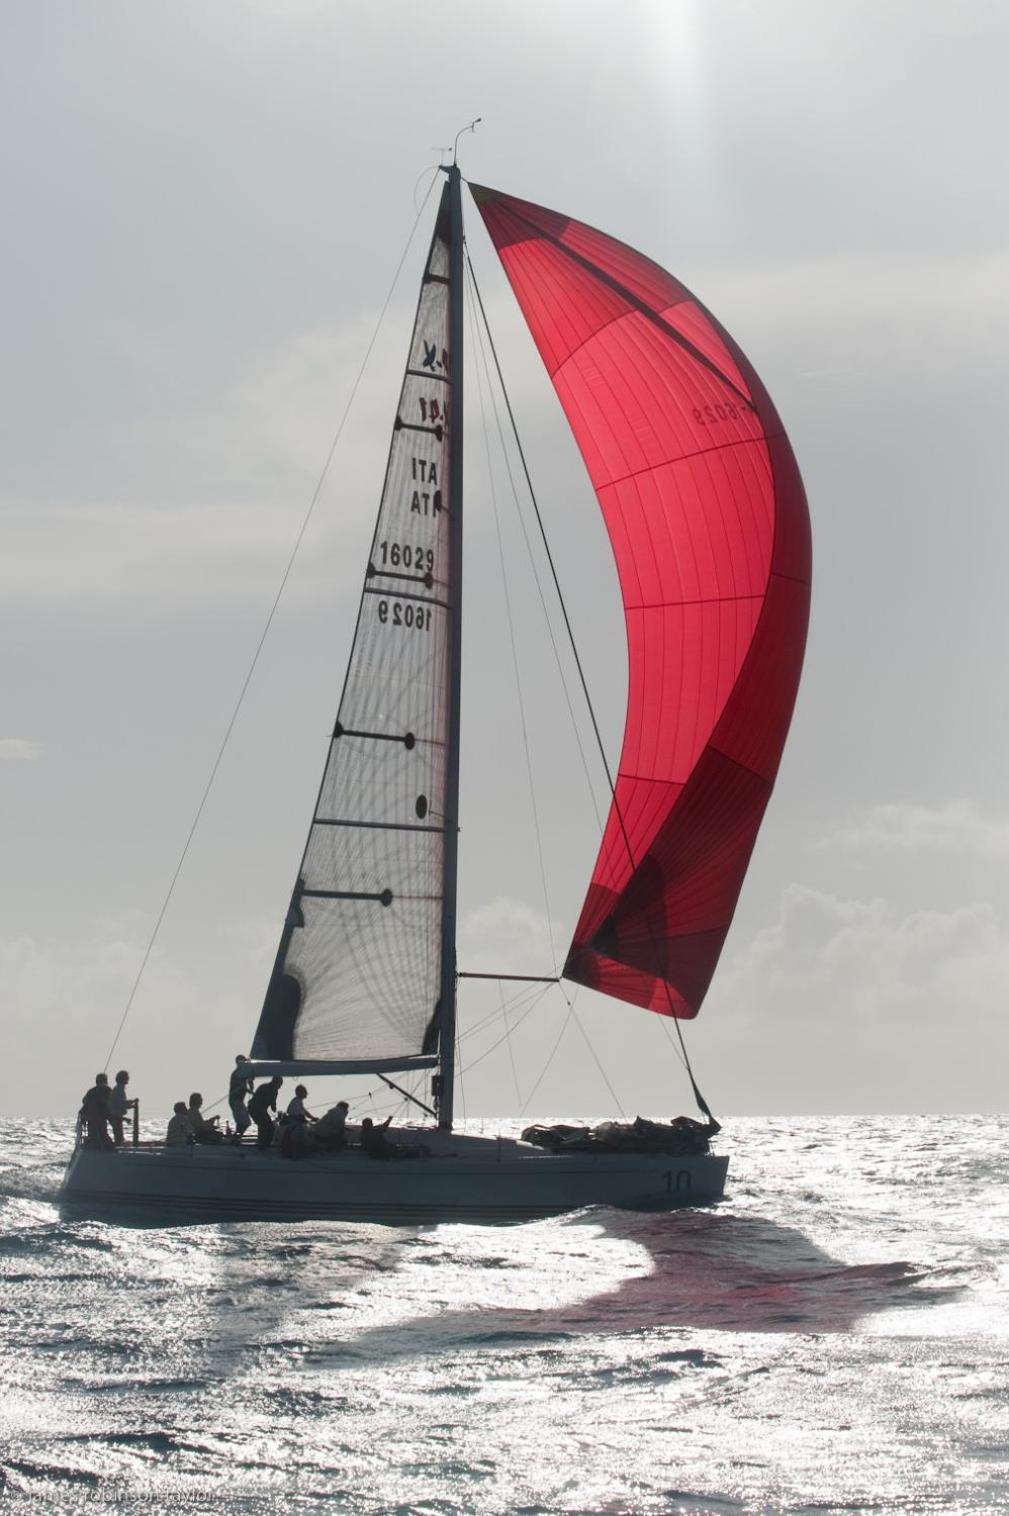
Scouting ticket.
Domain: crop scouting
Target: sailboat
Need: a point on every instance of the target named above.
(707, 519)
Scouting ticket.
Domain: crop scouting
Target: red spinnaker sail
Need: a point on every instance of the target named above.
(708, 522)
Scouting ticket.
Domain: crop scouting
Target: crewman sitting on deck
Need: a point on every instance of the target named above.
(179, 1133)
(377, 1145)
(374, 1140)
(204, 1128)
(331, 1129)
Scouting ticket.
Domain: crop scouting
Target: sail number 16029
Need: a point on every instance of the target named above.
(403, 555)
(405, 613)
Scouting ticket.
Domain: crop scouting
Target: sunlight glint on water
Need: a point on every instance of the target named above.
(832, 1336)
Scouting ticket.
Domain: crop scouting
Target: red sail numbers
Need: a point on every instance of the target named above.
(707, 518)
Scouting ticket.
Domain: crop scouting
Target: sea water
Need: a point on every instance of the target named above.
(834, 1336)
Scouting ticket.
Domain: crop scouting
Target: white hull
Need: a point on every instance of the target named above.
(464, 1179)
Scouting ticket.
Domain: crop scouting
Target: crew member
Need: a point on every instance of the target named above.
(119, 1104)
(204, 1128)
(94, 1114)
(331, 1129)
(179, 1133)
(374, 1141)
(263, 1101)
(239, 1087)
(296, 1108)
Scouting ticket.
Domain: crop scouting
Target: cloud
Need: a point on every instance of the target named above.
(63, 1001)
(20, 749)
(841, 1004)
(149, 562)
(860, 1005)
(957, 827)
(863, 962)
(509, 937)
(268, 432)
(849, 315)
(205, 505)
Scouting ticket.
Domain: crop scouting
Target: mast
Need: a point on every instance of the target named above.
(446, 1021)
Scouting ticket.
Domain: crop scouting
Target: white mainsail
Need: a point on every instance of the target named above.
(358, 974)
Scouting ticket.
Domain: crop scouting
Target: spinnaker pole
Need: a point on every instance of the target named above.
(446, 1019)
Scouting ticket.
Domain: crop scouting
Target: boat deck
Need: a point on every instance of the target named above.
(463, 1177)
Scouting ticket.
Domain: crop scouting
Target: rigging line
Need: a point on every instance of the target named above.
(543, 535)
(483, 356)
(553, 571)
(433, 169)
(535, 989)
(483, 374)
(408, 1098)
(515, 1003)
(553, 1052)
(617, 809)
(266, 630)
(596, 271)
(534, 569)
(669, 1038)
(684, 1058)
(495, 1045)
(595, 1058)
(459, 1071)
(511, 1047)
(493, 1015)
(397, 1105)
(490, 1020)
(497, 522)
(391, 1105)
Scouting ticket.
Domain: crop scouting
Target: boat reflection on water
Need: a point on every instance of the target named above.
(746, 1274)
(611, 1273)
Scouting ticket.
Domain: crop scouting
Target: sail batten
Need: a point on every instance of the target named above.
(707, 519)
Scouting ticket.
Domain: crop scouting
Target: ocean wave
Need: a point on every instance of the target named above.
(829, 1338)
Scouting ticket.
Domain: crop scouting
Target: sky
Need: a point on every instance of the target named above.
(204, 208)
